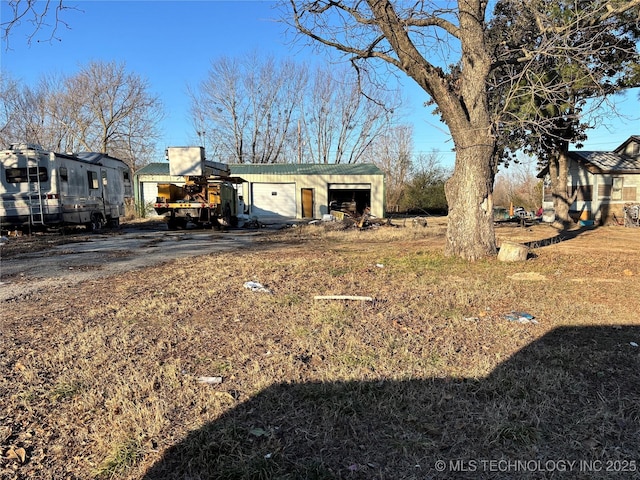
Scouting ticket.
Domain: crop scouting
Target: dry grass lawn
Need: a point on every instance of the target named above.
(432, 379)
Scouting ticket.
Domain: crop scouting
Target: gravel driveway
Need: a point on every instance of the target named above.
(99, 255)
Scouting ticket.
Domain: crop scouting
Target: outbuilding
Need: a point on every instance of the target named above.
(288, 191)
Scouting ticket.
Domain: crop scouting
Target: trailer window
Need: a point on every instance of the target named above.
(64, 175)
(20, 175)
(93, 180)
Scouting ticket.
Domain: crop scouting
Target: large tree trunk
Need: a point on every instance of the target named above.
(558, 173)
(470, 232)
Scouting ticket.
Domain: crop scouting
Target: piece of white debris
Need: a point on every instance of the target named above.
(210, 380)
(256, 287)
(633, 344)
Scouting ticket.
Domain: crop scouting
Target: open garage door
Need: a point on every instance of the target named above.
(273, 200)
(350, 197)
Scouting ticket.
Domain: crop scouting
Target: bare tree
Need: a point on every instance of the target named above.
(41, 15)
(392, 152)
(219, 120)
(102, 108)
(113, 112)
(59, 129)
(406, 36)
(409, 36)
(24, 113)
(424, 191)
(249, 107)
(12, 125)
(258, 110)
(517, 184)
(339, 123)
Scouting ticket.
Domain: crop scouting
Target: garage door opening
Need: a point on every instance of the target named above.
(351, 198)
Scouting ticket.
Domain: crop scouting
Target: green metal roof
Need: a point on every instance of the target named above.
(304, 169)
(280, 169)
(154, 169)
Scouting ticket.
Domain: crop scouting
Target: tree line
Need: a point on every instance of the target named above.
(251, 109)
(101, 108)
(259, 109)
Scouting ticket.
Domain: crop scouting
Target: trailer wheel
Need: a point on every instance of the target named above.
(95, 223)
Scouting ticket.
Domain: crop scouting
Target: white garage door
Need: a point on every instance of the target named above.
(273, 200)
(149, 192)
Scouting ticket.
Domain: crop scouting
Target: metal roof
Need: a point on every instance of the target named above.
(606, 162)
(154, 169)
(280, 169)
(94, 157)
(602, 162)
(305, 169)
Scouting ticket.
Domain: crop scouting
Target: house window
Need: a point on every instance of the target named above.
(616, 189)
(584, 193)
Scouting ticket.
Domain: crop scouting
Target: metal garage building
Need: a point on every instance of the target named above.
(288, 191)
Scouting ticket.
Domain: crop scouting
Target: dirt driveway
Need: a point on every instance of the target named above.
(67, 261)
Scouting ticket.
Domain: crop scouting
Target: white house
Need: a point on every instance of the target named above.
(604, 182)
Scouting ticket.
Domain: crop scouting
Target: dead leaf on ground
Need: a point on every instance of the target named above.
(18, 454)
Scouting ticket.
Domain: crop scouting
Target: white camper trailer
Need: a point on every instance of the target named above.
(41, 189)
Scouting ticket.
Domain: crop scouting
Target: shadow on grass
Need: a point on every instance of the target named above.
(563, 235)
(566, 406)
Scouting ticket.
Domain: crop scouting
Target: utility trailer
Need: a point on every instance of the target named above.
(207, 199)
(40, 189)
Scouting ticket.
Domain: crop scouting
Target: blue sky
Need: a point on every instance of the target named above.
(172, 43)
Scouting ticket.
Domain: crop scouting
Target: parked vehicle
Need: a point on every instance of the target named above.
(206, 199)
(40, 189)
